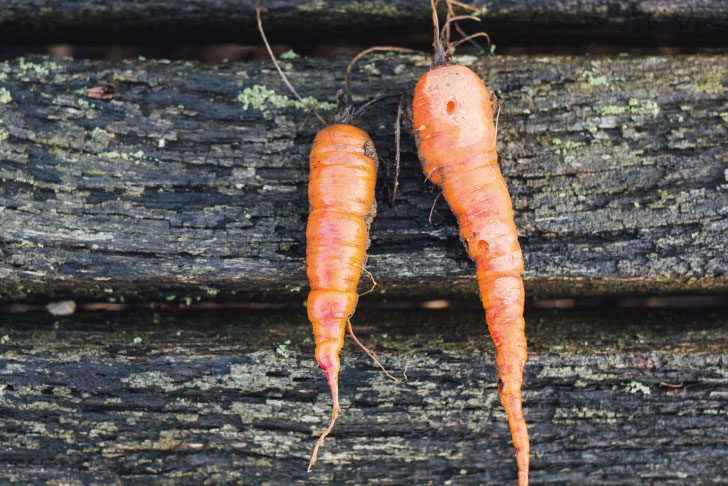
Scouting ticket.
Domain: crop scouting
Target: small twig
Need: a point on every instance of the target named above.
(432, 209)
(455, 19)
(320, 441)
(497, 173)
(303, 123)
(497, 117)
(435, 23)
(347, 80)
(441, 56)
(462, 33)
(427, 178)
(448, 16)
(466, 6)
(397, 137)
(275, 63)
(373, 355)
(670, 385)
(477, 34)
(374, 282)
(363, 108)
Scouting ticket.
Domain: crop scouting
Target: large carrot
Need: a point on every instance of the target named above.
(455, 134)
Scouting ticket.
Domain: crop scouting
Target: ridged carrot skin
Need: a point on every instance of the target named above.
(453, 122)
(341, 195)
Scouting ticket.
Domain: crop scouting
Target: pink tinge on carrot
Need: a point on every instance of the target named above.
(341, 195)
(453, 123)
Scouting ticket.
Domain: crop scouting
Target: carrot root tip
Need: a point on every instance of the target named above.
(320, 441)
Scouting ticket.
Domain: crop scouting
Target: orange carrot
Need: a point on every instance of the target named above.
(343, 172)
(453, 124)
(341, 195)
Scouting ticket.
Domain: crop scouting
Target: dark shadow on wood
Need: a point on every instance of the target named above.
(664, 22)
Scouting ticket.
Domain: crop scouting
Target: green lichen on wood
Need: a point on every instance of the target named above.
(289, 55)
(633, 107)
(45, 67)
(594, 78)
(5, 96)
(261, 98)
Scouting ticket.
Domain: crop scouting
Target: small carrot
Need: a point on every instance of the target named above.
(341, 195)
(455, 134)
(343, 173)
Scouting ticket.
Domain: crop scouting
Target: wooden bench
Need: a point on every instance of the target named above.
(179, 200)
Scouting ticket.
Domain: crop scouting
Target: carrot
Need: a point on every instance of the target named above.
(341, 195)
(343, 172)
(455, 134)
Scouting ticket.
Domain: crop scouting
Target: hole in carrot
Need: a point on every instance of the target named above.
(450, 107)
(500, 385)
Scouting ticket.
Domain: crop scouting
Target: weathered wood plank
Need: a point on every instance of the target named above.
(611, 398)
(628, 23)
(617, 167)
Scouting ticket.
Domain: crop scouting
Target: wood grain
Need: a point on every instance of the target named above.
(611, 397)
(190, 181)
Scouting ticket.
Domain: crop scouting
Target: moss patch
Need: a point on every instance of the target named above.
(289, 54)
(44, 68)
(5, 96)
(593, 77)
(634, 107)
(261, 98)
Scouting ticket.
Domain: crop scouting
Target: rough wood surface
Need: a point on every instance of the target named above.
(623, 22)
(611, 398)
(191, 181)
